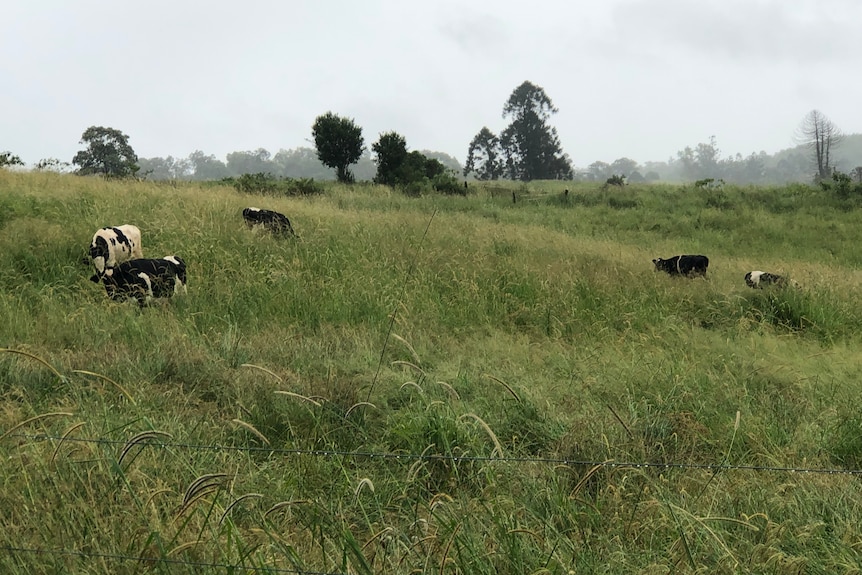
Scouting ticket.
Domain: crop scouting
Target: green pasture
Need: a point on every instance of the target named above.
(499, 383)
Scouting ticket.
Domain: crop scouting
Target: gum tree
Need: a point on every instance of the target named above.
(821, 136)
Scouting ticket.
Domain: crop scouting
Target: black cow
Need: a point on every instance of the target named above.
(758, 279)
(271, 221)
(145, 279)
(685, 265)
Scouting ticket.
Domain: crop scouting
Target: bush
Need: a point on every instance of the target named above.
(9, 159)
(446, 183)
(259, 183)
(615, 180)
(268, 184)
(709, 184)
(842, 185)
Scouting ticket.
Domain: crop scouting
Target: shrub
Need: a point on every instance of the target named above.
(264, 183)
(842, 185)
(446, 183)
(9, 159)
(616, 180)
(709, 184)
(259, 183)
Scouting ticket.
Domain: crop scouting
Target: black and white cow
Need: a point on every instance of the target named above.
(685, 265)
(759, 279)
(145, 279)
(113, 245)
(274, 222)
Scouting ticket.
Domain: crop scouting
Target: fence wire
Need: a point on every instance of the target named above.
(715, 467)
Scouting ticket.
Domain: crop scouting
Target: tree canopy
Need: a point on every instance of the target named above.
(108, 152)
(391, 151)
(484, 156)
(339, 144)
(413, 172)
(529, 148)
(530, 145)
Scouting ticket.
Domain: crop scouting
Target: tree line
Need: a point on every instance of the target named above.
(528, 148)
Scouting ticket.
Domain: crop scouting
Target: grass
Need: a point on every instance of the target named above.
(490, 363)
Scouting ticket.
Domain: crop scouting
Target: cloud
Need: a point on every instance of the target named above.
(795, 31)
(477, 34)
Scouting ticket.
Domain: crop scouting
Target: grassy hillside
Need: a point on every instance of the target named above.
(432, 384)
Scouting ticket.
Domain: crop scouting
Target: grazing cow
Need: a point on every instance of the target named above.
(113, 245)
(145, 279)
(271, 221)
(685, 265)
(758, 279)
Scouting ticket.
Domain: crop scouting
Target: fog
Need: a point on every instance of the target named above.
(636, 79)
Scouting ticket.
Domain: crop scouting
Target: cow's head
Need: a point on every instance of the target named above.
(666, 265)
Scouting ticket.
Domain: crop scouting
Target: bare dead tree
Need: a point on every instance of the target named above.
(821, 135)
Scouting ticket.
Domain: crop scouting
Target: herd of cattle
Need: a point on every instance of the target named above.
(695, 265)
(117, 256)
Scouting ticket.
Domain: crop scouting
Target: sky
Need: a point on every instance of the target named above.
(641, 79)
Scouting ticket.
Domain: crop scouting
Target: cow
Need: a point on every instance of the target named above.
(271, 221)
(144, 279)
(113, 245)
(759, 279)
(685, 265)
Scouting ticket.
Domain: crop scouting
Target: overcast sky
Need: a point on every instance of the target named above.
(631, 78)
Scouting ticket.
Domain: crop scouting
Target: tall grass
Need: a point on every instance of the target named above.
(491, 365)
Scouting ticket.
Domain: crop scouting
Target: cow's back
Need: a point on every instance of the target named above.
(693, 265)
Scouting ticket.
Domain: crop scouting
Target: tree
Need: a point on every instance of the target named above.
(9, 159)
(821, 135)
(687, 163)
(599, 171)
(700, 162)
(300, 162)
(707, 155)
(169, 168)
(624, 167)
(391, 151)
(250, 162)
(449, 162)
(207, 167)
(484, 156)
(413, 172)
(108, 152)
(339, 144)
(636, 177)
(530, 146)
